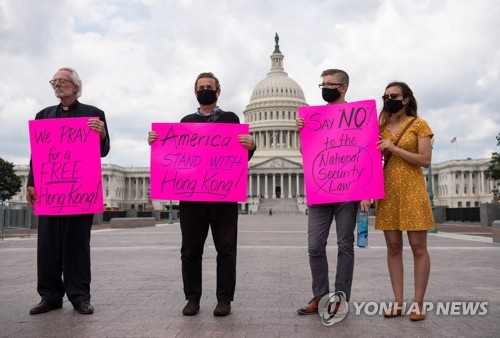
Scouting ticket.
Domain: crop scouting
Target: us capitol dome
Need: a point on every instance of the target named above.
(275, 177)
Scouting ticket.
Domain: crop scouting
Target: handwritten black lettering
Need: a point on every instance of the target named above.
(43, 137)
(195, 139)
(73, 135)
(225, 161)
(329, 143)
(342, 170)
(346, 140)
(359, 115)
(317, 122)
(331, 158)
(181, 161)
(186, 187)
(336, 174)
(84, 199)
(52, 155)
(339, 187)
(210, 184)
(215, 186)
(76, 197)
(60, 171)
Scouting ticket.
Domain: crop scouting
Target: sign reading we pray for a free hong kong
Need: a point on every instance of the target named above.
(66, 163)
(199, 162)
(339, 151)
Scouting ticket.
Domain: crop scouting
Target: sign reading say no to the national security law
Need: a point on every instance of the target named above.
(340, 155)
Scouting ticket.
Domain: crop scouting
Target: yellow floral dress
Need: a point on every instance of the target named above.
(406, 205)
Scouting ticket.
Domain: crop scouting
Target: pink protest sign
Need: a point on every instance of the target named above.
(199, 162)
(339, 151)
(66, 162)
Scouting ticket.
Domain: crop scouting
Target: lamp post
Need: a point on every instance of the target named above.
(170, 213)
(3, 216)
(430, 191)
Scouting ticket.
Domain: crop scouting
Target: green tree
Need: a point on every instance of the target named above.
(10, 183)
(493, 171)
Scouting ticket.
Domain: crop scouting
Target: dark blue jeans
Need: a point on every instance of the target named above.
(319, 222)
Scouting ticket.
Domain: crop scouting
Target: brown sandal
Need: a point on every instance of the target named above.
(415, 316)
(393, 312)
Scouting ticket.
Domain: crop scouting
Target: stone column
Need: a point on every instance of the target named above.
(282, 186)
(258, 185)
(304, 186)
(266, 196)
(481, 181)
(453, 184)
(274, 185)
(471, 192)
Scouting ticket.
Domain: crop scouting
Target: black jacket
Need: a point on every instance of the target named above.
(78, 110)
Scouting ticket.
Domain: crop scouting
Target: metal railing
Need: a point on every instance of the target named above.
(15, 217)
(463, 214)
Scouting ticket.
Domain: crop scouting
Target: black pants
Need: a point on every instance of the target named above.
(64, 250)
(195, 218)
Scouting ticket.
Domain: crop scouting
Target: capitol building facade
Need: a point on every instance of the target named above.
(275, 175)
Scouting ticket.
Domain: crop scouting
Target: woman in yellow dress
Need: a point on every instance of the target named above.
(406, 146)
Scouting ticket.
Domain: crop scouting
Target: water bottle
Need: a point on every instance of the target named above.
(362, 225)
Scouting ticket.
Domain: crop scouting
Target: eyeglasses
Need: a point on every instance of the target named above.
(392, 96)
(60, 81)
(329, 85)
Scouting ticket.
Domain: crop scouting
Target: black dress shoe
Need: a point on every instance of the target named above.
(222, 309)
(192, 307)
(45, 306)
(84, 307)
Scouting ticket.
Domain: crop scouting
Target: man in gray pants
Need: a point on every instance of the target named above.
(320, 217)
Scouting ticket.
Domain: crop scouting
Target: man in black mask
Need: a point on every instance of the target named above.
(197, 217)
(320, 217)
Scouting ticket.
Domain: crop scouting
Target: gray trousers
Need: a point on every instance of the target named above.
(318, 228)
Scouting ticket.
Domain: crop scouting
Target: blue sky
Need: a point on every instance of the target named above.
(138, 61)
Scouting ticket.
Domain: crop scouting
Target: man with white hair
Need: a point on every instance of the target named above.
(63, 248)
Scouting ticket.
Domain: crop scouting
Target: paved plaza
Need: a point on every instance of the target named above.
(137, 286)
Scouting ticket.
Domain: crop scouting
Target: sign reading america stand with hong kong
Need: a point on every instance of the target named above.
(66, 163)
(339, 151)
(199, 162)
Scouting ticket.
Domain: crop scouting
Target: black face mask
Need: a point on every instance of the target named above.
(330, 95)
(206, 96)
(393, 106)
